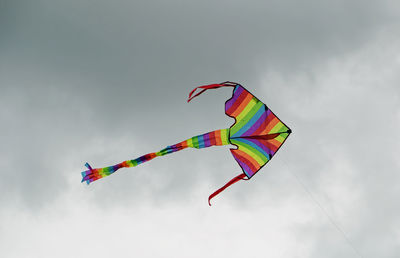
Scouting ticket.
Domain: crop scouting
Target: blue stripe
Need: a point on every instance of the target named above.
(200, 140)
(251, 122)
(255, 146)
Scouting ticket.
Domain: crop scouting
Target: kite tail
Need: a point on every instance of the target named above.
(231, 182)
(209, 87)
(214, 138)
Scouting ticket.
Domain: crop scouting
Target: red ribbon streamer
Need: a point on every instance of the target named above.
(233, 180)
(208, 87)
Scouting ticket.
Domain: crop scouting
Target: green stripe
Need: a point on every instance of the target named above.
(254, 153)
(246, 109)
(246, 118)
(278, 128)
(134, 163)
(282, 137)
(195, 142)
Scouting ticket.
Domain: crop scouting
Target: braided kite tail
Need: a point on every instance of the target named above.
(218, 137)
(97, 173)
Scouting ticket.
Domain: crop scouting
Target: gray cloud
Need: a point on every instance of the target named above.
(102, 82)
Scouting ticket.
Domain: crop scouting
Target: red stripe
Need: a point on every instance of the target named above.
(237, 103)
(212, 138)
(270, 145)
(242, 105)
(270, 126)
(264, 124)
(245, 158)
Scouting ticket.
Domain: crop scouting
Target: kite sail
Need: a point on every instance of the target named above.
(257, 134)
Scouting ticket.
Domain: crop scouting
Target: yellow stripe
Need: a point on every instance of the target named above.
(224, 136)
(249, 115)
(281, 137)
(246, 110)
(190, 142)
(278, 127)
(256, 155)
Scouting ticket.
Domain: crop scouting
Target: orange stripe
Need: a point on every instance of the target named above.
(150, 156)
(270, 125)
(273, 144)
(249, 158)
(242, 105)
(218, 140)
(276, 143)
(267, 120)
(183, 144)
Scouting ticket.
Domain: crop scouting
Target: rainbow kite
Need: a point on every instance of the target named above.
(257, 134)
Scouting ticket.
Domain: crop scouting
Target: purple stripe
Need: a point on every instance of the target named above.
(243, 165)
(246, 168)
(116, 167)
(236, 95)
(141, 159)
(262, 146)
(206, 138)
(257, 124)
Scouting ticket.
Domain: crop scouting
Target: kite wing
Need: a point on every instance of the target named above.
(257, 132)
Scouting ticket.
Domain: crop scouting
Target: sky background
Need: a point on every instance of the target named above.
(105, 81)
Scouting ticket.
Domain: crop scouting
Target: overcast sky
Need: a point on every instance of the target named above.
(106, 81)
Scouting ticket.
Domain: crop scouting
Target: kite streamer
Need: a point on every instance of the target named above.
(257, 134)
(214, 138)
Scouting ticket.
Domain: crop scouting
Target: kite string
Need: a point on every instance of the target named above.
(330, 218)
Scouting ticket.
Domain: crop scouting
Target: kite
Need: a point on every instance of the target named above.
(257, 135)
